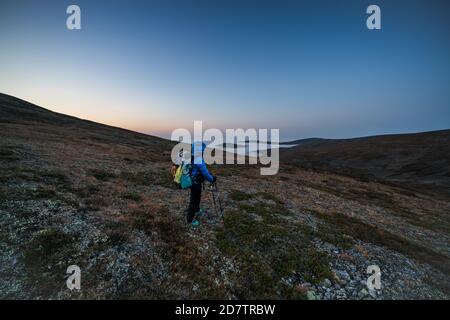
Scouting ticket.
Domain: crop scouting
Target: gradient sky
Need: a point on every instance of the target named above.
(309, 68)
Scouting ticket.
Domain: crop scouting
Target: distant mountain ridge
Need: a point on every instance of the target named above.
(418, 160)
(17, 111)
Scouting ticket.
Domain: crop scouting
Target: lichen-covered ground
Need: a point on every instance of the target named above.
(104, 200)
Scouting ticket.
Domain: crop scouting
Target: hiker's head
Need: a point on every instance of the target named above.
(198, 146)
(197, 151)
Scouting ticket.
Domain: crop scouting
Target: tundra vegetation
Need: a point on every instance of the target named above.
(74, 192)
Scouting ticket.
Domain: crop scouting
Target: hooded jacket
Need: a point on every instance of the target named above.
(199, 168)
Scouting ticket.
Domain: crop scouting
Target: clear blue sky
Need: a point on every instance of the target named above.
(309, 68)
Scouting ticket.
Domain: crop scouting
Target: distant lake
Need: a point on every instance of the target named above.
(252, 149)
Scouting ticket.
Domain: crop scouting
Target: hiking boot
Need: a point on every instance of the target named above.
(195, 223)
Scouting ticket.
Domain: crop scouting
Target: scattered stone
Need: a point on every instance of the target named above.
(327, 283)
(310, 295)
(343, 275)
(362, 294)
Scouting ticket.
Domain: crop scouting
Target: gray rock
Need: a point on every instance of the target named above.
(362, 294)
(343, 275)
(327, 283)
(311, 295)
(372, 293)
(341, 294)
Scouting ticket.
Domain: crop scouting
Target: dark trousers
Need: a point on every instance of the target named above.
(194, 202)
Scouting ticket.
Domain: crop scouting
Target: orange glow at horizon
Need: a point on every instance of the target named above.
(112, 114)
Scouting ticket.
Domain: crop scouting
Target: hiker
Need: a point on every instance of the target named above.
(199, 173)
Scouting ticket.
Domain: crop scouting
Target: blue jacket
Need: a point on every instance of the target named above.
(198, 164)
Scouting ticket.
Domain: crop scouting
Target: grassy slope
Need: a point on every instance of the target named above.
(74, 192)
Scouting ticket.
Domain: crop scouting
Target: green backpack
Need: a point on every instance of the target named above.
(184, 179)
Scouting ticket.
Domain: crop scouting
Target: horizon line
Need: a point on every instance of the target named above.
(282, 141)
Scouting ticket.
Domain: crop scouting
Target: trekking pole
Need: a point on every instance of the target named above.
(213, 197)
(219, 201)
(216, 199)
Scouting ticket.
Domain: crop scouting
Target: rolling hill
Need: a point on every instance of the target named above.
(75, 192)
(419, 160)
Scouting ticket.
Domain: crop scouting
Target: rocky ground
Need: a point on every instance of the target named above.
(104, 200)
